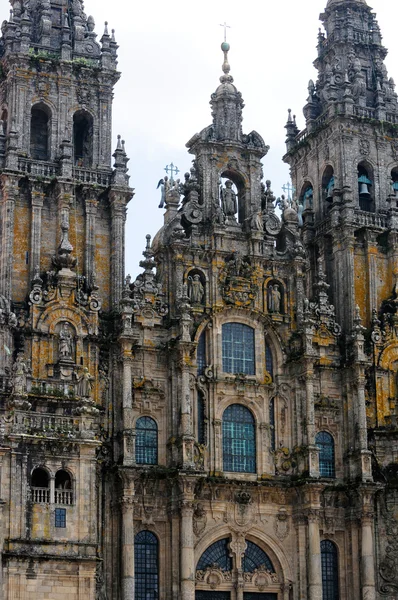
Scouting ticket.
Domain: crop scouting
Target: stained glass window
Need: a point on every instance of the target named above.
(201, 419)
(255, 558)
(60, 517)
(239, 440)
(201, 354)
(146, 563)
(238, 354)
(216, 554)
(269, 363)
(330, 571)
(272, 422)
(146, 441)
(325, 443)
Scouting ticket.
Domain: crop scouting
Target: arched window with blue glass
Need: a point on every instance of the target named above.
(218, 554)
(146, 566)
(330, 571)
(238, 353)
(269, 361)
(239, 440)
(325, 443)
(146, 441)
(272, 424)
(255, 558)
(201, 354)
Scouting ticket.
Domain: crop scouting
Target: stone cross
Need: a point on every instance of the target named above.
(225, 29)
(289, 189)
(171, 170)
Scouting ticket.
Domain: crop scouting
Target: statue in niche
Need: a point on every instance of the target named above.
(20, 372)
(65, 344)
(228, 200)
(84, 385)
(274, 299)
(196, 290)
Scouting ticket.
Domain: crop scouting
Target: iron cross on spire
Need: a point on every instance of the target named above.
(289, 189)
(171, 170)
(225, 29)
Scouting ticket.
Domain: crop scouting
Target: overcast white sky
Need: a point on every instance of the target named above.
(170, 60)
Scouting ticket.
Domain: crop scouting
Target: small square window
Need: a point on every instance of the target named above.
(60, 517)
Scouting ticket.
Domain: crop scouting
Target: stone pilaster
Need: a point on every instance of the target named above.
(127, 542)
(35, 235)
(118, 211)
(91, 213)
(368, 574)
(314, 557)
(9, 193)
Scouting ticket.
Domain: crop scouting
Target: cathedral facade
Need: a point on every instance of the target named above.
(225, 426)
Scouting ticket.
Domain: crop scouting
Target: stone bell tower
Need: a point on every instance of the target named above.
(344, 163)
(62, 213)
(344, 166)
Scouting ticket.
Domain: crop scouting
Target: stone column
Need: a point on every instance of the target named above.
(91, 213)
(368, 578)
(127, 550)
(187, 551)
(314, 558)
(118, 212)
(35, 236)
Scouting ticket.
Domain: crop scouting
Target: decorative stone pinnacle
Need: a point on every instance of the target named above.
(225, 47)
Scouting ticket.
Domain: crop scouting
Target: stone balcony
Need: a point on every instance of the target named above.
(51, 170)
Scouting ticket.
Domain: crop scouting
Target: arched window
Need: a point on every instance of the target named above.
(394, 181)
(63, 493)
(146, 563)
(201, 354)
(239, 440)
(216, 554)
(328, 183)
(255, 558)
(83, 138)
(238, 354)
(272, 423)
(307, 197)
(39, 133)
(325, 443)
(146, 441)
(330, 571)
(269, 362)
(201, 419)
(365, 187)
(40, 484)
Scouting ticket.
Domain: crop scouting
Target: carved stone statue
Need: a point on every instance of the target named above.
(274, 299)
(228, 200)
(196, 291)
(65, 344)
(20, 372)
(84, 385)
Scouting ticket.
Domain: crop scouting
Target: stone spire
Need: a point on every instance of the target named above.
(227, 105)
(351, 70)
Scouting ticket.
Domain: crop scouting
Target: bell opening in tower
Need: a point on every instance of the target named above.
(40, 126)
(83, 138)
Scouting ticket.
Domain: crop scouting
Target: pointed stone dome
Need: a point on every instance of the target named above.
(227, 104)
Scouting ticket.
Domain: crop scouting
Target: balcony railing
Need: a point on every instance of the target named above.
(368, 219)
(92, 176)
(40, 495)
(37, 168)
(49, 425)
(64, 497)
(53, 388)
(364, 112)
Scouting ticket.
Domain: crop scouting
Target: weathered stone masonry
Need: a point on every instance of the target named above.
(120, 400)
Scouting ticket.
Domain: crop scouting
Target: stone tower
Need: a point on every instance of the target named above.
(62, 213)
